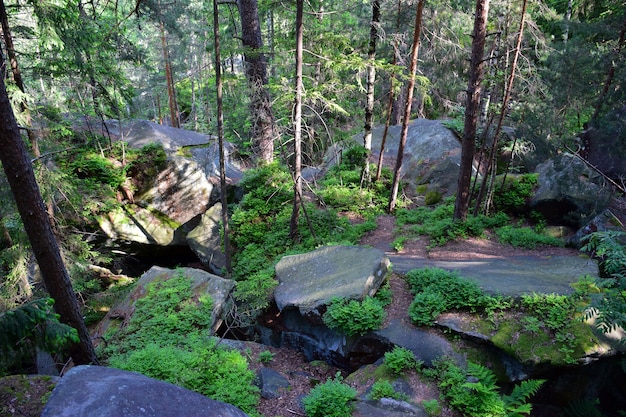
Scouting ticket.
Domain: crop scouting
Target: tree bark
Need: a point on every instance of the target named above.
(17, 77)
(220, 136)
(407, 109)
(297, 127)
(371, 78)
(169, 78)
(256, 73)
(472, 110)
(19, 173)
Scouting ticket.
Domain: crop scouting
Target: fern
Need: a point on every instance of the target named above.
(515, 403)
(486, 379)
(583, 408)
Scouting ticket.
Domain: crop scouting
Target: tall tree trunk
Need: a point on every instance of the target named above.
(493, 158)
(472, 110)
(390, 102)
(297, 127)
(256, 73)
(19, 173)
(169, 78)
(220, 136)
(407, 108)
(371, 78)
(17, 78)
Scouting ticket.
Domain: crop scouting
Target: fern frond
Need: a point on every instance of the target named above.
(516, 402)
(583, 408)
(484, 375)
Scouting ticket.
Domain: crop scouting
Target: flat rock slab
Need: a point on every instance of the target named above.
(514, 275)
(426, 346)
(310, 280)
(89, 391)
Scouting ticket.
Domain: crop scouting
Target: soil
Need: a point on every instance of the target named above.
(20, 399)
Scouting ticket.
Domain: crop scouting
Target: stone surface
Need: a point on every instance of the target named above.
(426, 346)
(310, 280)
(514, 275)
(206, 239)
(202, 283)
(271, 383)
(137, 224)
(89, 391)
(568, 193)
(432, 155)
(387, 407)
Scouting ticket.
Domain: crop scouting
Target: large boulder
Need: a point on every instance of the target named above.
(206, 240)
(88, 391)
(568, 192)
(309, 281)
(218, 288)
(432, 154)
(172, 201)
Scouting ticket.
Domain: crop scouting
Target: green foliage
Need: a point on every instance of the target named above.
(514, 193)
(332, 398)
(526, 237)
(266, 356)
(29, 326)
(474, 392)
(437, 290)
(166, 339)
(354, 317)
(432, 197)
(353, 158)
(437, 222)
(582, 408)
(384, 389)
(400, 359)
(432, 407)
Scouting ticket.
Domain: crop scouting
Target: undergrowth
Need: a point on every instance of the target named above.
(167, 338)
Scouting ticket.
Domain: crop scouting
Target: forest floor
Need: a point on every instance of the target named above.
(20, 396)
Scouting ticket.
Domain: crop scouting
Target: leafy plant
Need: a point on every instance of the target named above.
(610, 309)
(384, 389)
(474, 391)
(266, 356)
(29, 326)
(354, 317)
(332, 398)
(525, 237)
(400, 359)
(515, 192)
(166, 338)
(437, 290)
(432, 407)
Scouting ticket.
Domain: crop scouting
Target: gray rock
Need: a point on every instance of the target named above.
(426, 346)
(432, 154)
(309, 281)
(88, 391)
(271, 383)
(387, 407)
(568, 193)
(202, 283)
(206, 241)
(134, 223)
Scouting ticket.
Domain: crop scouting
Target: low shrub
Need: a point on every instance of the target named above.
(354, 317)
(332, 398)
(525, 237)
(400, 359)
(384, 389)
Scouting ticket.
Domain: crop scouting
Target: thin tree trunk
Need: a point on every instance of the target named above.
(407, 109)
(493, 160)
(220, 136)
(472, 110)
(369, 107)
(297, 125)
(169, 78)
(392, 81)
(21, 178)
(256, 73)
(17, 77)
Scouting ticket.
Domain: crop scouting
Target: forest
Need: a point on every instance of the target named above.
(282, 82)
